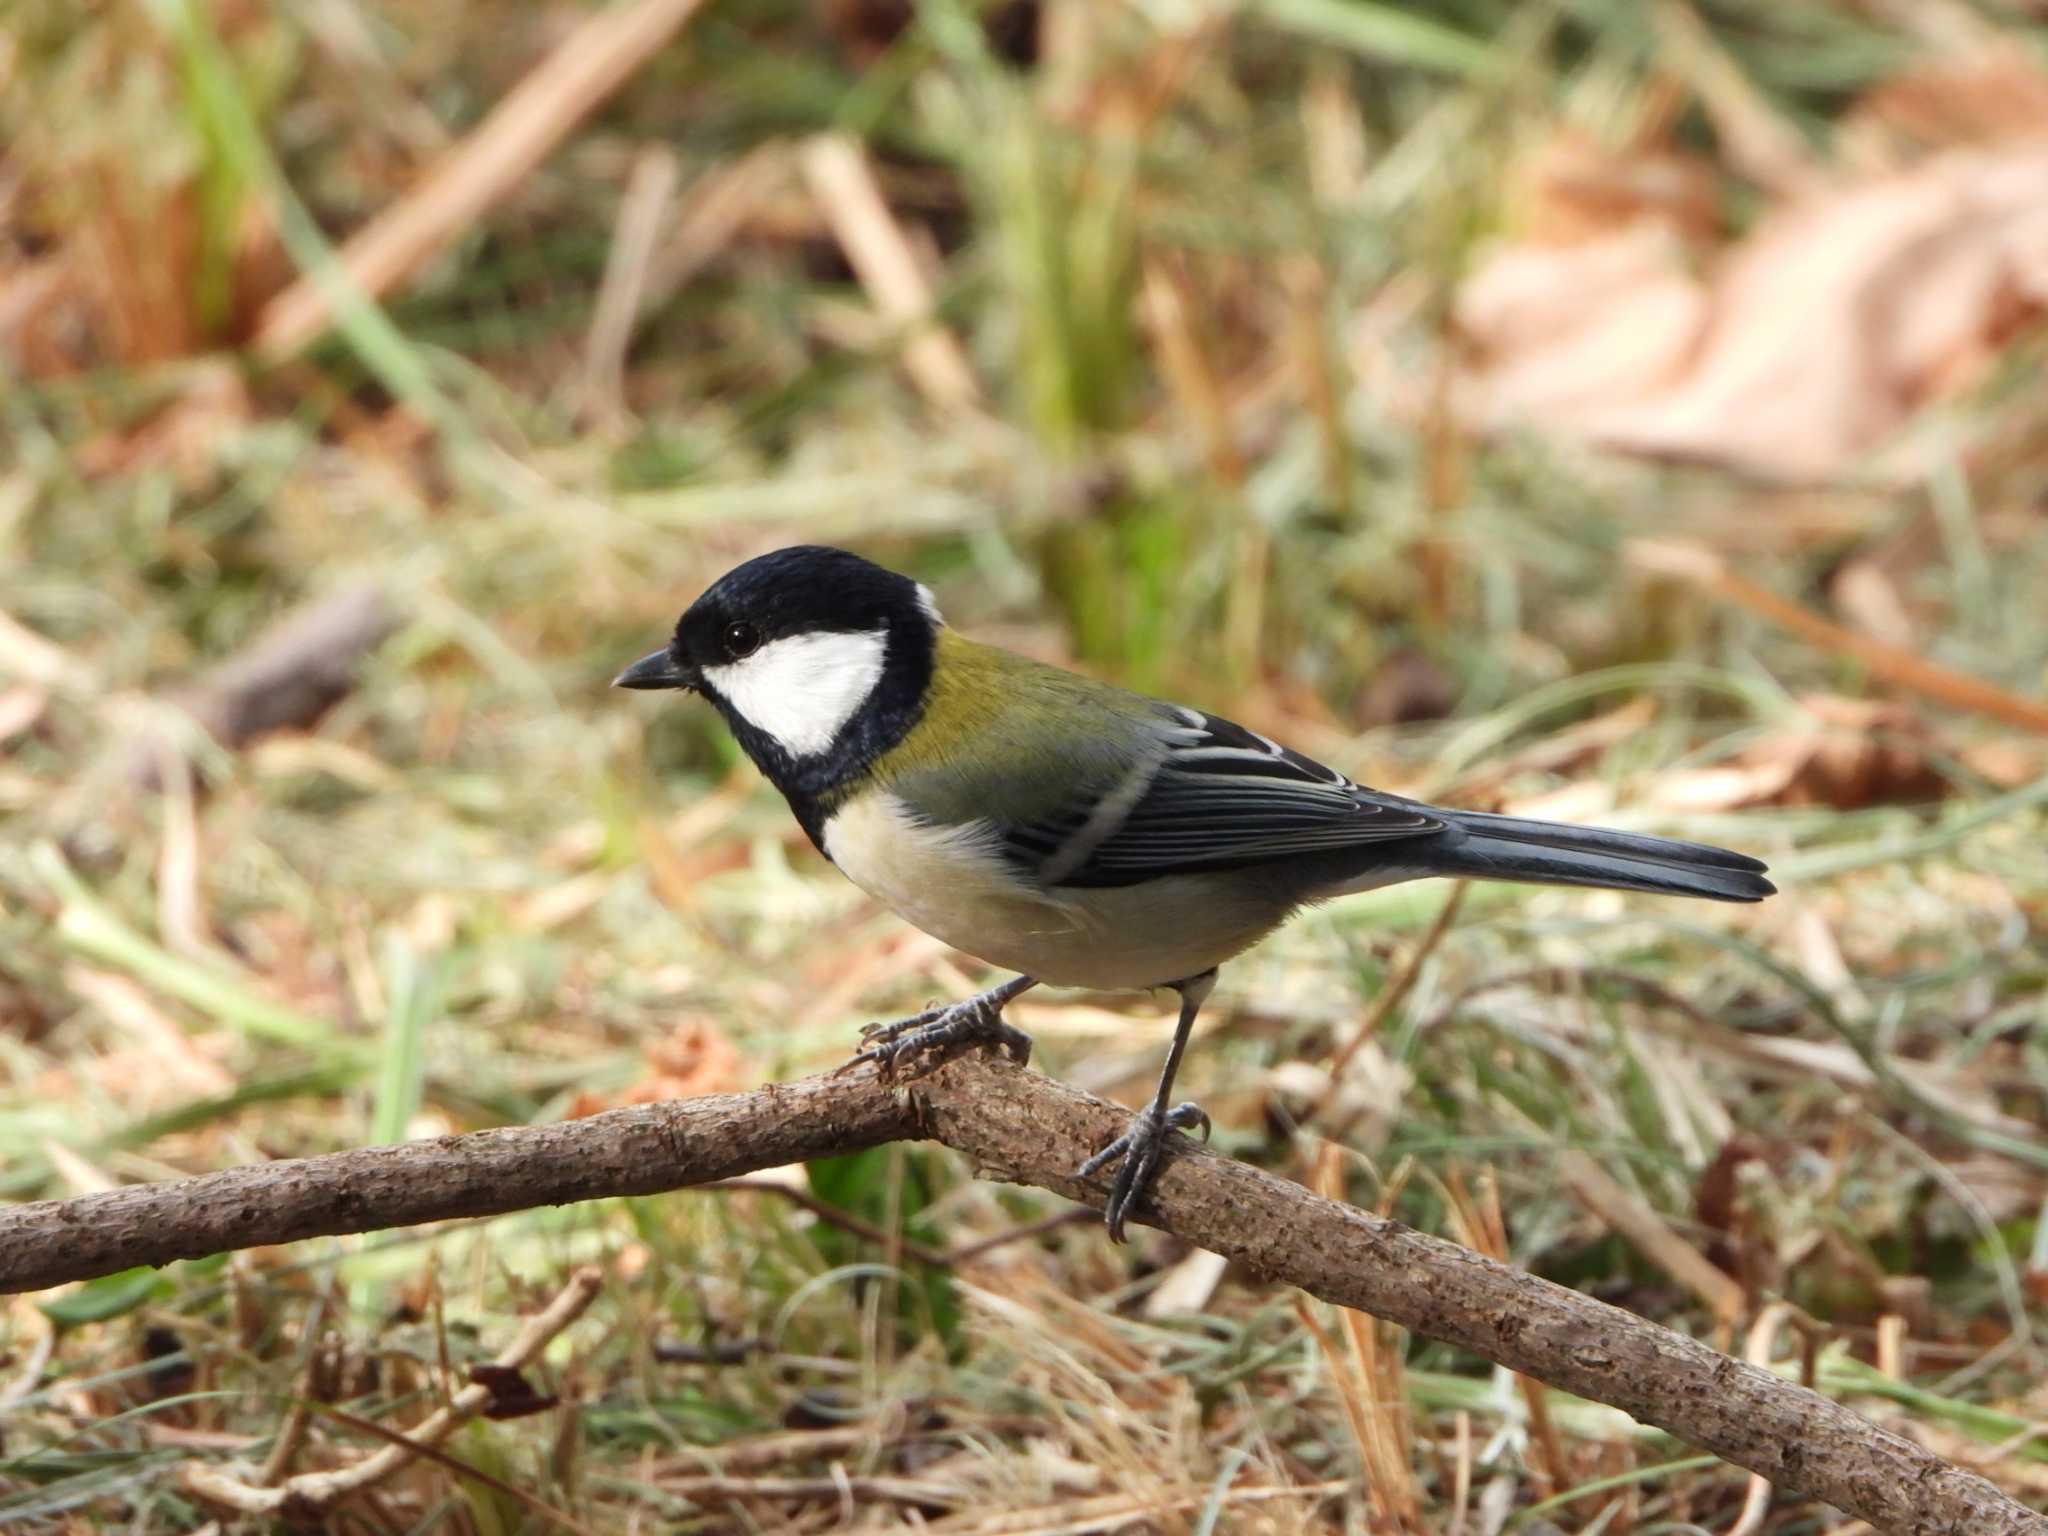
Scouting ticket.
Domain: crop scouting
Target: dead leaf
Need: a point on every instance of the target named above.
(1849, 753)
(512, 1395)
(294, 963)
(1568, 190)
(694, 1058)
(1732, 1244)
(1560, 331)
(1988, 96)
(40, 324)
(1810, 345)
(2004, 762)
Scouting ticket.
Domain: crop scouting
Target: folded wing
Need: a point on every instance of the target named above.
(1212, 796)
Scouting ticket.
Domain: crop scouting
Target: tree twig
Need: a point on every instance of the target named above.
(1693, 562)
(312, 1492)
(1018, 1126)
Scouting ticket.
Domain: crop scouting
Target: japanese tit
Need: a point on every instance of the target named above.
(1069, 831)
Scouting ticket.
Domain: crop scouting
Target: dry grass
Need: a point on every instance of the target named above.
(1149, 357)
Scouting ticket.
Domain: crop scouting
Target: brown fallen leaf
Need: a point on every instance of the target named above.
(1988, 95)
(694, 1058)
(1847, 754)
(22, 1014)
(1568, 189)
(2006, 762)
(1558, 332)
(512, 1395)
(1807, 349)
(295, 964)
(41, 318)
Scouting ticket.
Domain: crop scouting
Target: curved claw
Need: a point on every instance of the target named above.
(883, 1056)
(936, 1031)
(877, 1033)
(1185, 1117)
(1140, 1148)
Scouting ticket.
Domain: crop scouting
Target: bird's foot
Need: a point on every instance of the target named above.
(1140, 1148)
(925, 1039)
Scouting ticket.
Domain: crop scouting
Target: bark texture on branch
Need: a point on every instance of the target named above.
(638, 1151)
(1022, 1127)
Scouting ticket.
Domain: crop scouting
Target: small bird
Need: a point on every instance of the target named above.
(1067, 830)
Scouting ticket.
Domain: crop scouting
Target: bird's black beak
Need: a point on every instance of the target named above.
(660, 670)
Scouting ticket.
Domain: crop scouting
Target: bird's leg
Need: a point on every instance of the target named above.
(937, 1031)
(1140, 1147)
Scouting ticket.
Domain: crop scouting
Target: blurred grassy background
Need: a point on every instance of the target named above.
(1348, 368)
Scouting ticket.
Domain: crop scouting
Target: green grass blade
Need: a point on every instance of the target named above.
(88, 926)
(412, 997)
(230, 125)
(1380, 32)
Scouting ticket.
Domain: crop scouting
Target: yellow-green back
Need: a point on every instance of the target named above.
(999, 728)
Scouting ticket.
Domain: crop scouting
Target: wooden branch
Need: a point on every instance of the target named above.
(1019, 1126)
(643, 1150)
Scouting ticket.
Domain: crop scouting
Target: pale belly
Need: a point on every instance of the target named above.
(949, 882)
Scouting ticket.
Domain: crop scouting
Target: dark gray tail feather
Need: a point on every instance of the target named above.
(1553, 853)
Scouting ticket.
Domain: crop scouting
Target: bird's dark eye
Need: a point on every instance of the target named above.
(741, 639)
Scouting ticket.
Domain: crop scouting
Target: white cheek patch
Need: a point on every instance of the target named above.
(803, 689)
